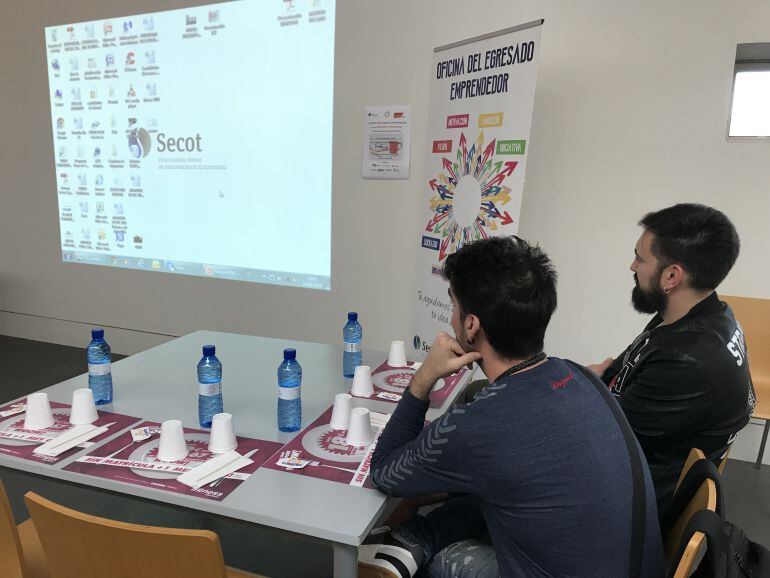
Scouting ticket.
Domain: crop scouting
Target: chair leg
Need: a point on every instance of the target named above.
(762, 444)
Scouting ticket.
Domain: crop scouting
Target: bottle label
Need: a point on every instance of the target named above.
(209, 389)
(352, 347)
(99, 368)
(289, 392)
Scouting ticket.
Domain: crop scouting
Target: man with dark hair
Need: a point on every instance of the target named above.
(521, 460)
(684, 382)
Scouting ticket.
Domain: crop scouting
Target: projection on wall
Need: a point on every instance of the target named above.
(198, 141)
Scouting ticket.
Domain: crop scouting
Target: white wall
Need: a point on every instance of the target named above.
(630, 116)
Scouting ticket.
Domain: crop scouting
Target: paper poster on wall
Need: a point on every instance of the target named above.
(387, 131)
(482, 95)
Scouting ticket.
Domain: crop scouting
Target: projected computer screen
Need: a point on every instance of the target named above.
(198, 141)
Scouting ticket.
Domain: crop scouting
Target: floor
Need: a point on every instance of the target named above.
(31, 365)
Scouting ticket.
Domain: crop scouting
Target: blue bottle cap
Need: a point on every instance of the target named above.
(209, 350)
(352, 316)
(97, 334)
(289, 353)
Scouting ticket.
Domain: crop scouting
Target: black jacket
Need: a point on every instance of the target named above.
(684, 385)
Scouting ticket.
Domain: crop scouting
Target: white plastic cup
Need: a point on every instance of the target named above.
(173, 446)
(362, 381)
(38, 414)
(222, 438)
(343, 402)
(360, 428)
(83, 410)
(397, 355)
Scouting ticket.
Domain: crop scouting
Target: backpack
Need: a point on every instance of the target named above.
(729, 552)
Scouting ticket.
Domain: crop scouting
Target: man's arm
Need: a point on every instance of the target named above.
(410, 461)
(664, 397)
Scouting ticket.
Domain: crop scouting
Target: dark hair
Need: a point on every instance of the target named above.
(699, 238)
(510, 286)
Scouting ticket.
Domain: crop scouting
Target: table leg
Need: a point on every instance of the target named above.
(345, 561)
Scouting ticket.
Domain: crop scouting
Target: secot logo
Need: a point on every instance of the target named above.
(416, 342)
(139, 141)
(187, 144)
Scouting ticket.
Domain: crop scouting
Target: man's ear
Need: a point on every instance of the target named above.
(472, 326)
(673, 277)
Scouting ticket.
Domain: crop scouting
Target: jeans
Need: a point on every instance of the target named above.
(450, 538)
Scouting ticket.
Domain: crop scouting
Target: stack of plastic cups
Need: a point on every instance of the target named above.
(38, 414)
(173, 446)
(362, 382)
(83, 410)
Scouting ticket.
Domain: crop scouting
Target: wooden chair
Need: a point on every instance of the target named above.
(705, 498)
(754, 317)
(79, 545)
(20, 553)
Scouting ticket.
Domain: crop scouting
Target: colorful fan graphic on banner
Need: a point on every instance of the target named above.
(478, 163)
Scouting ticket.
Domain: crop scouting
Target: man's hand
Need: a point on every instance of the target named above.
(445, 357)
(600, 368)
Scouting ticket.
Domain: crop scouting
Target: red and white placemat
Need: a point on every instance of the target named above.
(18, 442)
(136, 462)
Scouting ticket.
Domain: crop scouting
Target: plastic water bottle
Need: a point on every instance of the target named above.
(99, 367)
(209, 386)
(351, 335)
(289, 392)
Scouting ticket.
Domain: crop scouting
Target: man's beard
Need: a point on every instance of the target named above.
(652, 300)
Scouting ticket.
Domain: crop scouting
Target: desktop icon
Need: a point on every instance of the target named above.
(170, 267)
(111, 91)
(90, 31)
(107, 28)
(118, 208)
(84, 207)
(57, 94)
(208, 270)
(131, 92)
(85, 234)
(75, 92)
(190, 20)
(102, 234)
(93, 95)
(149, 56)
(65, 178)
(92, 63)
(54, 35)
(120, 236)
(95, 125)
(136, 181)
(114, 150)
(99, 180)
(213, 16)
(82, 181)
(100, 207)
(152, 89)
(74, 64)
(149, 24)
(97, 152)
(156, 265)
(62, 152)
(140, 263)
(130, 59)
(60, 123)
(109, 59)
(77, 123)
(79, 152)
(127, 26)
(55, 65)
(71, 31)
(138, 239)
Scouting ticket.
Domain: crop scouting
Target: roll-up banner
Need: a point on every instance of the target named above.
(482, 95)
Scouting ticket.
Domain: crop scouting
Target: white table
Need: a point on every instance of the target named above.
(160, 384)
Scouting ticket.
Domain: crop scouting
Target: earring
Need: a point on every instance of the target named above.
(666, 290)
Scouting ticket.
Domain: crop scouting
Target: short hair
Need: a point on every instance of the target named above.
(510, 286)
(699, 238)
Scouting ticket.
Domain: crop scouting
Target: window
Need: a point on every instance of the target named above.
(750, 106)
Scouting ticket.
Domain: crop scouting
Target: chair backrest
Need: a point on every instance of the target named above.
(753, 315)
(11, 557)
(704, 498)
(79, 545)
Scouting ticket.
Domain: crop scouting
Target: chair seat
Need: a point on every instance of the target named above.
(235, 573)
(34, 558)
